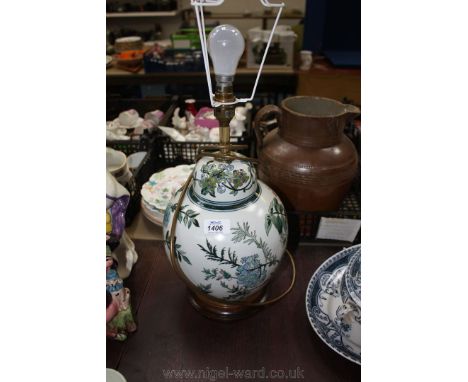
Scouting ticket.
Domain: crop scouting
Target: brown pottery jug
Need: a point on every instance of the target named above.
(307, 160)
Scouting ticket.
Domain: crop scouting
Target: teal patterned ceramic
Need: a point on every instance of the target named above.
(331, 311)
(353, 277)
(216, 181)
(231, 231)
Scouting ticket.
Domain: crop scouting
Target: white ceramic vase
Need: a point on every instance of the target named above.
(231, 231)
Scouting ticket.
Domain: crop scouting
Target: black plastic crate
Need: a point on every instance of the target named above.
(303, 225)
(149, 164)
(171, 153)
(146, 141)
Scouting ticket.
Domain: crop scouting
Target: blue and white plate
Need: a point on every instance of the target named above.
(353, 277)
(337, 322)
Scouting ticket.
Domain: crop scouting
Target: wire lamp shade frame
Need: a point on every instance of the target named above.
(198, 8)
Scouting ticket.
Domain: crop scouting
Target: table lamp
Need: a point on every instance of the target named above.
(226, 231)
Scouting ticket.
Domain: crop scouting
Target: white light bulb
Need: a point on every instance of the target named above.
(225, 45)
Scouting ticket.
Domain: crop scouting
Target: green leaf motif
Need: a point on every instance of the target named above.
(179, 253)
(267, 224)
(205, 288)
(235, 291)
(218, 177)
(276, 216)
(209, 274)
(188, 218)
(249, 271)
(278, 223)
(250, 237)
(212, 254)
(225, 274)
(186, 260)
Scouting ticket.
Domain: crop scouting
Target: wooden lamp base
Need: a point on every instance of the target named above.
(217, 310)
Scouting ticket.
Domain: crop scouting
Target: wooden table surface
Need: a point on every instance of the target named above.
(325, 80)
(172, 335)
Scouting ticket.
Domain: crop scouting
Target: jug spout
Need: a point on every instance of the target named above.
(352, 112)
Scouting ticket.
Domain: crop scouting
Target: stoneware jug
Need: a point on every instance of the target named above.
(307, 160)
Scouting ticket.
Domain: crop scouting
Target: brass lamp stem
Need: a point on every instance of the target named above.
(224, 113)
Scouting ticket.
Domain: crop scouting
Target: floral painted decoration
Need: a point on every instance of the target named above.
(217, 177)
(231, 230)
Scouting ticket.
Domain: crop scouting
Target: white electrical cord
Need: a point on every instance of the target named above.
(198, 6)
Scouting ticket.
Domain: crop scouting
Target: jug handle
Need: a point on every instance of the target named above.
(260, 127)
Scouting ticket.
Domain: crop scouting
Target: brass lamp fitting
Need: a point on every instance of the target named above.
(224, 113)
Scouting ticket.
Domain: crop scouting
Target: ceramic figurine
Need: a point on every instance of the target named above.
(112, 307)
(153, 118)
(306, 59)
(115, 133)
(191, 121)
(126, 255)
(206, 118)
(179, 122)
(214, 134)
(237, 124)
(117, 199)
(243, 110)
(127, 120)
(119, 318)
(190, 106)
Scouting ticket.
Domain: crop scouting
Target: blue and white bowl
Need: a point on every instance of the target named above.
(353, 277)
(333, 314)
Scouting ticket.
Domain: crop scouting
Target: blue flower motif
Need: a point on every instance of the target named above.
(167, 215)
(221, 189)
(249, 273)
(230, 167)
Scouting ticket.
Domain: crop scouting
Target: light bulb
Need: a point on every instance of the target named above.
(225, 45)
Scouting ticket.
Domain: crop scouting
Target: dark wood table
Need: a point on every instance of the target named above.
(173, 336)
(325, 80)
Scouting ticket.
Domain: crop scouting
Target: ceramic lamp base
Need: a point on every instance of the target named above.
(226, 312)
